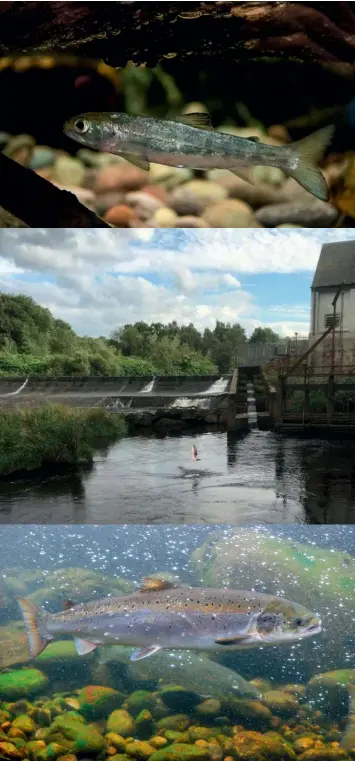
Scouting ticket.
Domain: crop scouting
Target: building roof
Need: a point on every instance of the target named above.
(336, 265)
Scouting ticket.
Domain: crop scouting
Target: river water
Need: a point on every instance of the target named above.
(260, 478)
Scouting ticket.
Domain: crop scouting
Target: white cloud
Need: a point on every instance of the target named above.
(99, 279)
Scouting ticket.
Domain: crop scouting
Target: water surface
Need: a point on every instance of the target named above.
(260, 478)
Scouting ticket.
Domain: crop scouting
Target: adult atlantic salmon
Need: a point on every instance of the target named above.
(190, 141)
(162, 614)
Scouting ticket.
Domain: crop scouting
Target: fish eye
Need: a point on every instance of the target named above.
(81, 126)
(300, 621)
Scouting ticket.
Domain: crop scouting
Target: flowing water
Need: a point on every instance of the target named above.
(262, 478)
(263, 703)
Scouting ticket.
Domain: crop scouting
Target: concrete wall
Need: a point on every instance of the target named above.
(321, 306)
(172, 386)
(344, 356)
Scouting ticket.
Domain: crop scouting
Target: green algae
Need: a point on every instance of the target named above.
(140, 700)
(181, 752)
(74, 735)
(20, 683)
(121, 722)
(97, 702)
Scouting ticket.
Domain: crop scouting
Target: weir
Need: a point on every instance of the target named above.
(145, 401)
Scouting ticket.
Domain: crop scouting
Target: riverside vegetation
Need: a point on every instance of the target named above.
(33, 342)
(52, 435)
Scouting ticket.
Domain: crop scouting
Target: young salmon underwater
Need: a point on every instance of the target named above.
(162, 614)
(191, 141)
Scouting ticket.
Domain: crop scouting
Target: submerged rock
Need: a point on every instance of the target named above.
(71, 732)
(140, 700)
(97, 702)
(306, 213)
(121, 722)
(181, 752)
(9, 752)
(21, 683)
(282, 703)
(230, 213)
(254, 746)
(139, 749)
(252, 713)
(178, 722)
(331, 690)
(175, 671)
(69, 171)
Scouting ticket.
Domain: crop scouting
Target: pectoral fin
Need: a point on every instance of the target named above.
(234, 640)
(144, 652)
(138, 161)
(201, 121)
(83, 646)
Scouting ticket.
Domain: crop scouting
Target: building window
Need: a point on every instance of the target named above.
(329, 320)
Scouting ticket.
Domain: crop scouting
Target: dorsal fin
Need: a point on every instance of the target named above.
(150, 584)
(201, 121)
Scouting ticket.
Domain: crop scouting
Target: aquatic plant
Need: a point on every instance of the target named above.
(52, 435)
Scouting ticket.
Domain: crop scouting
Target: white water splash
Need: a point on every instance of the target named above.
(185, 403)
(251, 405)
(119, 404)
(149, 387)
(219, 386)
(18, 390)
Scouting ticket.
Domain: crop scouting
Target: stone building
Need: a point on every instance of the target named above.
(336, 267)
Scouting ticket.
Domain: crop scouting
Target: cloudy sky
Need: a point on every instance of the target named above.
(99, 279)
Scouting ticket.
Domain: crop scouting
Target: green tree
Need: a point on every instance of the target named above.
(263, 336)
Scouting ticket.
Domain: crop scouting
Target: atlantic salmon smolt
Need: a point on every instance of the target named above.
(191, 141)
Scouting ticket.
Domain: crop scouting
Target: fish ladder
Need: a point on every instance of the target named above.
(251, 407)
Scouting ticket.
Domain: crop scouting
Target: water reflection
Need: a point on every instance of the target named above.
(261, 477)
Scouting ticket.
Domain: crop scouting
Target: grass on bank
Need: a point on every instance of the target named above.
(53, 435)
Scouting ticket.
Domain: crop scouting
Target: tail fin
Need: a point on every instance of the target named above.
(34, 619)
(311, 150)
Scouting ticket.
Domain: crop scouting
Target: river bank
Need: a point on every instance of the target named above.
(52, 436)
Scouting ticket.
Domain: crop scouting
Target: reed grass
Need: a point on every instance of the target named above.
(52, 435)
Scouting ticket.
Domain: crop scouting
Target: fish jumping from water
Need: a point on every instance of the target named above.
(194, 453)
(191, 141)
(162, 614)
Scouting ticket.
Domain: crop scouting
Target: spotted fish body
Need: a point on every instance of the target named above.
(190, 141)
(162, 615)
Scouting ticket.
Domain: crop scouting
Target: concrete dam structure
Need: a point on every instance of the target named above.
(143, 400)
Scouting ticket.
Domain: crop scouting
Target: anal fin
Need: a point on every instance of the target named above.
(144, 652)
(138, 161)
(244, 174)
(83, 647)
